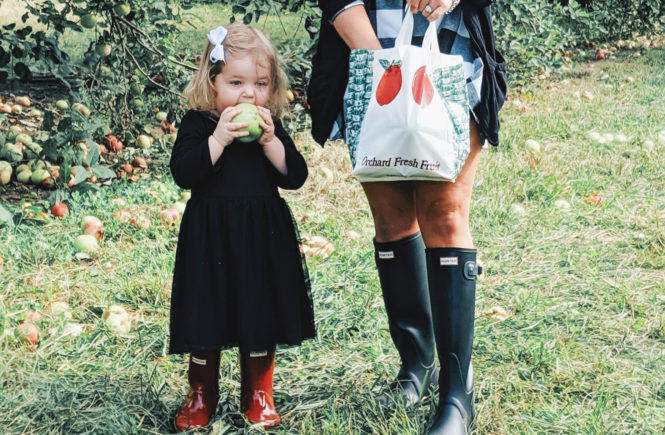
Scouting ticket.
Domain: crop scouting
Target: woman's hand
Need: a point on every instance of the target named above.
(226, 131)
(432, 9)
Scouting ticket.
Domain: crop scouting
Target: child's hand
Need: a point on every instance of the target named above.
(226, 131)
(268, 127)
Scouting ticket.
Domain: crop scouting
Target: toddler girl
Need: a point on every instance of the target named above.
(239, 277)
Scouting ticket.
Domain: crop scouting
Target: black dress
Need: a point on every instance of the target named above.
(239, 277)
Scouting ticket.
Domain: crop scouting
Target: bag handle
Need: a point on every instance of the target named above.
(406, 30)
(430, 40)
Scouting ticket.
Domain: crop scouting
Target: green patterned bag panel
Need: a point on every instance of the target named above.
(357, 96)
(450, 84)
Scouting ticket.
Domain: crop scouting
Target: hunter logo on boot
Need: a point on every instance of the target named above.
(386, 255)
(198, 361)
(448, 261)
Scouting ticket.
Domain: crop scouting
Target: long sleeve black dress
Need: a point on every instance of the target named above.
(239, 277)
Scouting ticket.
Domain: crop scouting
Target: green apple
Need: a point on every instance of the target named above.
(24, 139)
(249, 114)
(122, 9)
(33, 150)
(81, 108)
(86, 243)
(143, 141)
(88, 21)
(39, 176)
(24, 176)
(12, 153)
(136, 88)
(103, 50)
(160, 116)
(62, 104)
(5, 172)
(136, 103)
(170, 138)
(14, 131)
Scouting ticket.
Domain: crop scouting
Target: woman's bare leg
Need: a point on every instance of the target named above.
(443, 208)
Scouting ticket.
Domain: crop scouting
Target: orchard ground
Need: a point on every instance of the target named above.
(570, 313)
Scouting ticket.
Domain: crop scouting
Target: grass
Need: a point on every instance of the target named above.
(582, 350)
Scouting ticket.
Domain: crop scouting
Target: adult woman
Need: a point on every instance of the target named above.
(429, 293)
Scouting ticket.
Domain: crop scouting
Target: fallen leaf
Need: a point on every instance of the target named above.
(595, 198)
(498, 313)
(317, 246)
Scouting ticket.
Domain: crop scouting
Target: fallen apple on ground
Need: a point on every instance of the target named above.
(498, 313)
(28, 332)
(23, 101)
(5, 172)
(317, 246)
(92, 226)
(351, 235)
(116, 319)
(143, 141)
(562, 204)
(86, 243)
(59, 210)
(532, 145)
(170, 216)
(56, 308)
(33, 316)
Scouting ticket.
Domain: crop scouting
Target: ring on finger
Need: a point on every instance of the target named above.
(428, 9)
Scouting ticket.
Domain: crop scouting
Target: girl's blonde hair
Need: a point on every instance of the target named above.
(240, 39)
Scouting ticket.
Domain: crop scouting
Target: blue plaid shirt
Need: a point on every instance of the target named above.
(386, 17)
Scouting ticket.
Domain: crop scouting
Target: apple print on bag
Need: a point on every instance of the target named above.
(422, 88)
(390, 83)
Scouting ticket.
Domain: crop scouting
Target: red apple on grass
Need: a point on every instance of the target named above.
(170, 216)
(28, 332)
(60, 210)
(92, 226)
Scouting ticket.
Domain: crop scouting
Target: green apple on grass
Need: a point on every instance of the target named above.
(249, 114)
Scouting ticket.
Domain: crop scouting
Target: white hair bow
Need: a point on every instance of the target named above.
(216, 38)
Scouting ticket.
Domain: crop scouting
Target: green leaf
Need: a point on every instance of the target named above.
(81, 175)
(103, 172)
(5, 57)
(93, 155)
(49, 120)
(22, 71)
(6, 218)
(57, 196)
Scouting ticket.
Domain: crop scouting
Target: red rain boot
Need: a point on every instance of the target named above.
(256, 400)
(203, 396)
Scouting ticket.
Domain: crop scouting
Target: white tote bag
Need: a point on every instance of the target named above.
(406, 110)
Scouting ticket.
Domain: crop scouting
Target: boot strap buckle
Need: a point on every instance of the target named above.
(472, 270)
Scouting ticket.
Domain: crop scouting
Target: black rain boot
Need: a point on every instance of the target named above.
(403, 275)
(452, 286)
